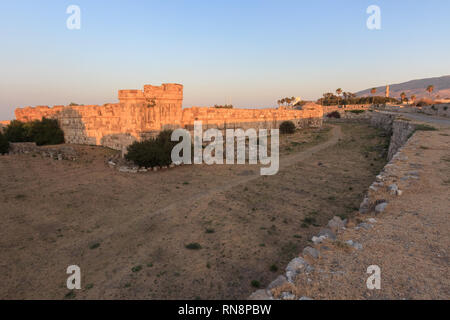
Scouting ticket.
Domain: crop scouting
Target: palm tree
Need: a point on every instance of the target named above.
(430, 89)
(403, 96)
(373, 91)
(339, 92)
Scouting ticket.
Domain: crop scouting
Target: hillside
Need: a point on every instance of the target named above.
(416, 87)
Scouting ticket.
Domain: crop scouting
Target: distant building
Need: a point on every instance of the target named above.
(387, 91)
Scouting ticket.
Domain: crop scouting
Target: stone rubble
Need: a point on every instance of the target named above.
(60, 152)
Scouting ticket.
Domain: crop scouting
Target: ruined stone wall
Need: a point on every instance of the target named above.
(143, 113)
(310, 116)
(440, 110)
(111, 125)
(401, 130)
(328, 109)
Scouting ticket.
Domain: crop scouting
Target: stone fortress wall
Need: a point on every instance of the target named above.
(143, 113)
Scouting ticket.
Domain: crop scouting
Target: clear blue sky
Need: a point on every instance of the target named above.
(246, 52)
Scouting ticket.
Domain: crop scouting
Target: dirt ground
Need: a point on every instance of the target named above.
(129, 232)
(409, 241)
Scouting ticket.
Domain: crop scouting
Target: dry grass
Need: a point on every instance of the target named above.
(146, 220)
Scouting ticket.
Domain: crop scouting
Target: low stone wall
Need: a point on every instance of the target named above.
(328, 109)
(400, 129)
(440, 110)
(348, 115)
(388, 184)
(338, 237)
(62, 152)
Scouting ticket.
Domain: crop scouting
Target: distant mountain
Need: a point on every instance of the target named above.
(416, 87)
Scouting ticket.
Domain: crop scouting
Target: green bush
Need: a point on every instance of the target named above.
(4, 144)
(43, 132)
(287, 127)
(46, 132)
(153, 152)
(17, 131)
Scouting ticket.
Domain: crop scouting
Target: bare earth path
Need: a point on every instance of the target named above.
(251, 174)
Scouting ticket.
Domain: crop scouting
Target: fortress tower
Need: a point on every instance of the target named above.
(166, 94)
(387, 91)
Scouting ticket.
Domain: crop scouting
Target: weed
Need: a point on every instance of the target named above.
(94, 246)
(193, 246)
(70, 295)
(136, 268)
(425, 127)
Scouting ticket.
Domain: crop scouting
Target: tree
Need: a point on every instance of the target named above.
(17, 131)
(153, 152)
(339, 92)
(373, 91)
(403, 96)
(43, 132)
(4, 144)
(413, 98)
(430, 89)
(287, 127)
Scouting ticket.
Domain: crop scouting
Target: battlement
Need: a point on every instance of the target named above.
(167, 93)
(131, 96)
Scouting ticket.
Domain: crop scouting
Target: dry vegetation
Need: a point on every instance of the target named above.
(191, 232)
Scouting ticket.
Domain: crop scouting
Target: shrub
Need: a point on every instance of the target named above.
(334, 114)
(287, 127)
(4, 144)
(273, 268)
(46, 132)
(424, 102)
(17, 131)
(193, 246)
(43, 132)
(152, 152)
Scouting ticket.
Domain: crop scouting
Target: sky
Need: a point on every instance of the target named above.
(249, 53)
